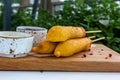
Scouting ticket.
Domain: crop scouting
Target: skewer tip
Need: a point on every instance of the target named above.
(98, 39)
(92, 37)
(97, 31)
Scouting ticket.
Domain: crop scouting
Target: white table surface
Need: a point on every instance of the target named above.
(37, 75)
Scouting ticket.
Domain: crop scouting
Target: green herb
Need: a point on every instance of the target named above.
(91, 14)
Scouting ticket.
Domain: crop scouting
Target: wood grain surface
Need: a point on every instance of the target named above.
(98, 58)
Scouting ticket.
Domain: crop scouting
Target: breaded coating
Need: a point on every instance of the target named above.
(63, 33)
(72, 46)
(44, 47)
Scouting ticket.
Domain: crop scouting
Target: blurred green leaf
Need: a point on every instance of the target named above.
(85, 13)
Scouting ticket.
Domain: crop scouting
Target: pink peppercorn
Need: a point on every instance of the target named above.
(106, 57)
(84, 55)
(91, 54)
(89, 49)
(110, 55)
(102, 50)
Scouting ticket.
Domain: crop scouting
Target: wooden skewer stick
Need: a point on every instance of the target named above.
(97, 31)
(98, 39)
(92, 37)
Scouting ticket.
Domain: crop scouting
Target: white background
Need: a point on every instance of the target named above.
(37, 75)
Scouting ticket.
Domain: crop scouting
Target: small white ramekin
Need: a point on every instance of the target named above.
(39, 33)
(15, 44)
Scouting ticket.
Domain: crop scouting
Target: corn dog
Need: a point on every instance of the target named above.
(44, 47)
(60, 33)
(72, 46)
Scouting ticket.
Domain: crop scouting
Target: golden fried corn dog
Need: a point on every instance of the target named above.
(72, 46)
(62, 33)
(44, 47)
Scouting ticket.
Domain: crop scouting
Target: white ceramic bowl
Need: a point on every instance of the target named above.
(15, 44)
(39, 33)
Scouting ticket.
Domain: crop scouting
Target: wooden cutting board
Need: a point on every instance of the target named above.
(99, 58)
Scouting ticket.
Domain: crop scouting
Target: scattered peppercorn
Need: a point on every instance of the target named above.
(102, 50)
(110, 55)
(89, 49)
(91, 54)
(106, 57)
(84, 55)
